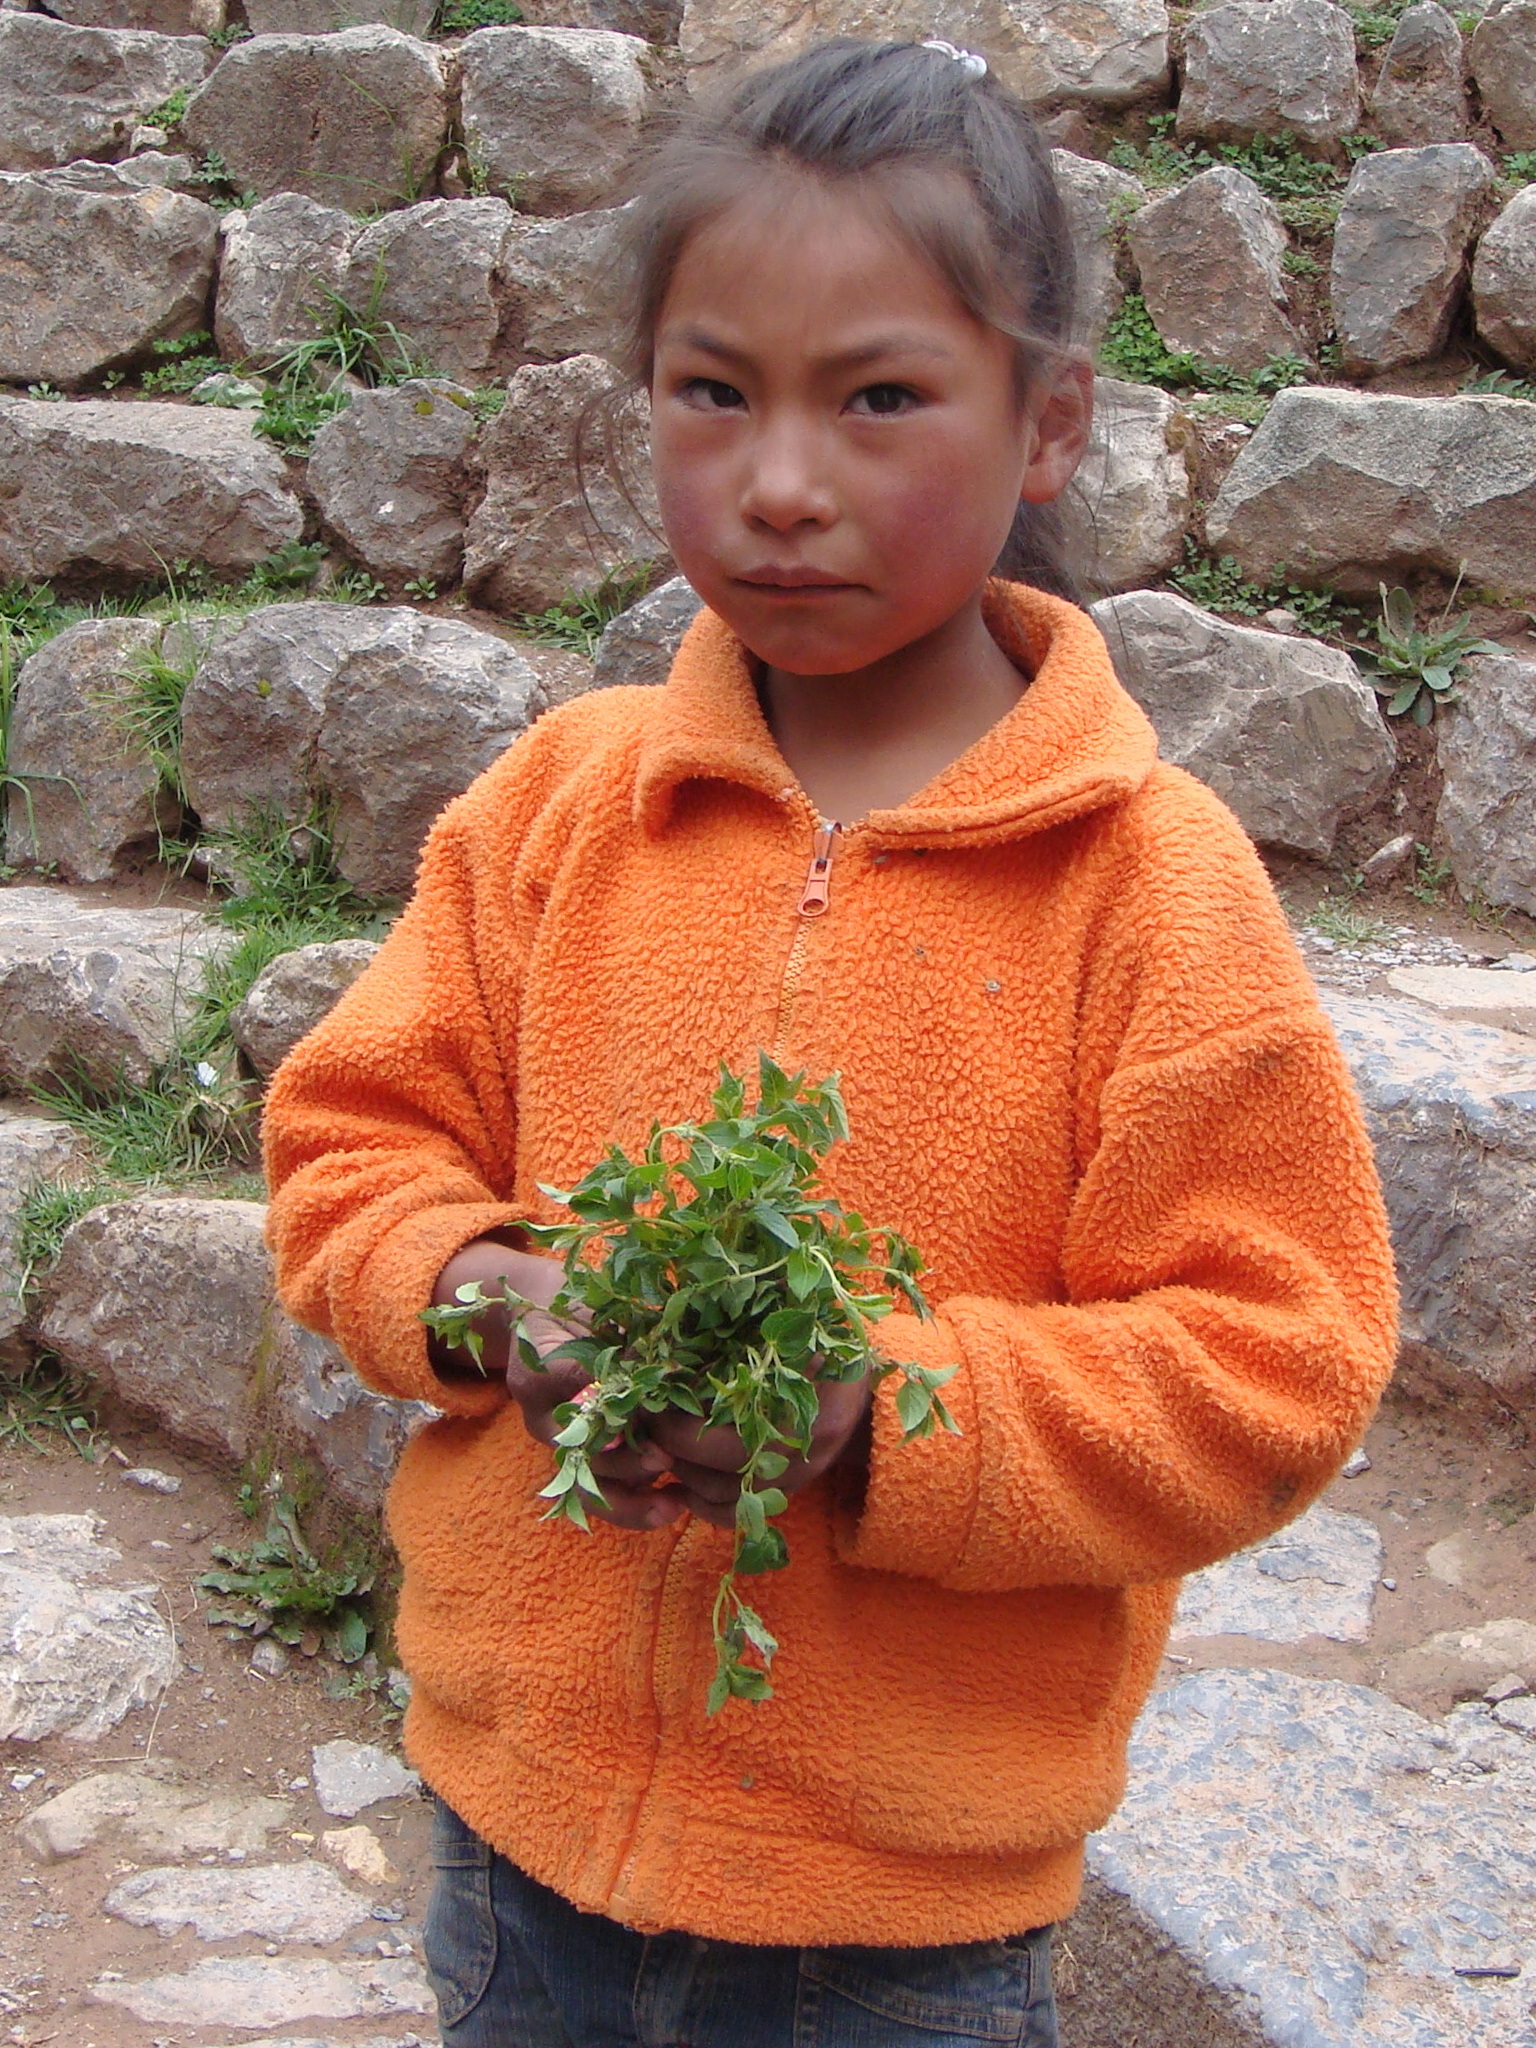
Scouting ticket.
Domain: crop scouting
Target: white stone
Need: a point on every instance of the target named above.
(1315, 1578)
(1448, 1560)
(1099, 199)
(360, 1853)
(1518, 1713)
(1475, 995)
(1357, 1462)
(1270, 67)
(352, 1775)
(277, 1901)
(75, 1655)
(152, 1479)
(1307, 1863)
(261, 1991)
(158, 1811)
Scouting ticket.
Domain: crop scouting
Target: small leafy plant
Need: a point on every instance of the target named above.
(279, 1586)
(45, 1396)
(577, 621)
(461, 17)
(1414, 667)
(717, 1278)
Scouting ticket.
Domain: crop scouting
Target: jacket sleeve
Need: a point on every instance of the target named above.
(1229, 1314)
(389, 1131)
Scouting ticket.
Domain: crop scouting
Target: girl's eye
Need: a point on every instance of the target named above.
(710, 395)
(883, 401)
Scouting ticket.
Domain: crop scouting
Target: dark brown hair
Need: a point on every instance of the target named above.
(880, 112)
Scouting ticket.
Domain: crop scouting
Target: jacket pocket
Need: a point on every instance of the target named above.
(973, 1991)
(459, 1935)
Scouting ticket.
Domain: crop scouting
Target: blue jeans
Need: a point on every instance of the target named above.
(517, 1966)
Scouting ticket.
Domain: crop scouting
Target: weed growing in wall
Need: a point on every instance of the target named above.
(181, 364)
(578, 620)
(46, 1404)
(1218, 585)
(1415, 668)
(1132, 348)
(463, 17)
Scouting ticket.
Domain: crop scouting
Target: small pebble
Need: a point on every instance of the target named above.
(23, 1779)
(1509, 1687)
(1389, 1585)
(158, 1545)
(153, 1480)
(268, 1659)
(1356, 1463)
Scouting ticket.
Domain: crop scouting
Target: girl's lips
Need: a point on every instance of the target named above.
(796, 583)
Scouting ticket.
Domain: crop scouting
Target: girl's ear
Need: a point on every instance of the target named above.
(1060, 410)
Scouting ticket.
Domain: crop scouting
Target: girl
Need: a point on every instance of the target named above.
(891, 815)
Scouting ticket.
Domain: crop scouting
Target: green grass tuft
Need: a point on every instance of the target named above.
(45, 1403)
(577, 621)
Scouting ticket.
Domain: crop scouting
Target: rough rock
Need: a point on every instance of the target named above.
(1451, 1110)
(157, 1811)
(1503, 59)
(67, 93)
(151, 1479)
(1130, 503)
(75, 1655)
(654, 21)
(639, 646)
(365, 116)
(277, 1901)
(86, 799)
(1352, 489)
(552, 115)
(1304, 1862)
(100, 485)
(438, 272)
(278, 262)
(1109, 55)
(1400, 251)
(1270, 67)
(33, 1150)
(264, 1991)
(1315, 1578)
(1460, 1662)
(164, 17)
(534, 538)
(360, 1853)
(169, 1301)
(387, 712)
(1209, 254)
(1283, 729)
(1421, 92)
(290, 996)
(352, 1775)
(1471, 995)
(390, 476)
(561, 288)
(1486, 743)
(352, 1434)
(90, 990)
(99, 267)
(328, 17)
(1504, 282)
(1098, 199)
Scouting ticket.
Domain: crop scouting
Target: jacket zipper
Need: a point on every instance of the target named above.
(815, 898)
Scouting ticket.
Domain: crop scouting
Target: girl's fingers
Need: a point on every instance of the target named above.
(722, 1515)
(721, 1489)
(638, 1507)
(685, 1437)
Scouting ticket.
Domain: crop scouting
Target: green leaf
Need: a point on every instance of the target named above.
(804, 1272)
(766, 1553)
(1403, 699)
(914, 1402)
(349, 1638)
(775, 1223)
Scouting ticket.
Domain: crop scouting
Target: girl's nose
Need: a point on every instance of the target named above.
(787, 485)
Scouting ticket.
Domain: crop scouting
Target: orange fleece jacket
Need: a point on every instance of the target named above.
(1086, 1074)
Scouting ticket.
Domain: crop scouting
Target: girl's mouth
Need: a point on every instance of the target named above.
(796, 582)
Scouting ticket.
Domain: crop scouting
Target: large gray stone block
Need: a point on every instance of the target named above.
(76, 1654)
(300, 1901)
(1130, 505)
(1283, 729)
(1486, 743)
(67, 93)
(1270, 67)
(89, 990)
(164, 17)
(536, 536)
(1421, 91)
(278, 262)
(1350, 488)
(1400, 251)
(1051, 52)
(290, 996)
(100, 267)
(1300, 1863)
(385, 713)
(1503, 56)
(329, 17)
(1504, 282)
(438, 272)
(1099, 200)
(640, 645)
(1209, 254)
(551, 115)
(137, 487)
(390, 476)
(1452, 1114)
(364, 116)
(270, 1991)
(562, 287)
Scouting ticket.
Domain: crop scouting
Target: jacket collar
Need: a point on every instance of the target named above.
(1075, 741)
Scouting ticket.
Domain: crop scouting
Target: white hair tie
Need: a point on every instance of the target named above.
(972, 65)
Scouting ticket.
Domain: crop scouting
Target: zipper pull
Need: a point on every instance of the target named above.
(818, 882)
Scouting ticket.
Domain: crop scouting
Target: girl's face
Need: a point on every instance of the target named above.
(839, 445)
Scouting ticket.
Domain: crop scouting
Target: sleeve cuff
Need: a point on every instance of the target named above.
(378, 1325)
(921, 1498)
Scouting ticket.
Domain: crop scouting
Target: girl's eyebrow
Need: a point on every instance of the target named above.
(840, 359)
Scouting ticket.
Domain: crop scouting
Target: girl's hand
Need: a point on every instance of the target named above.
(707, 1462)
(627, 1477)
